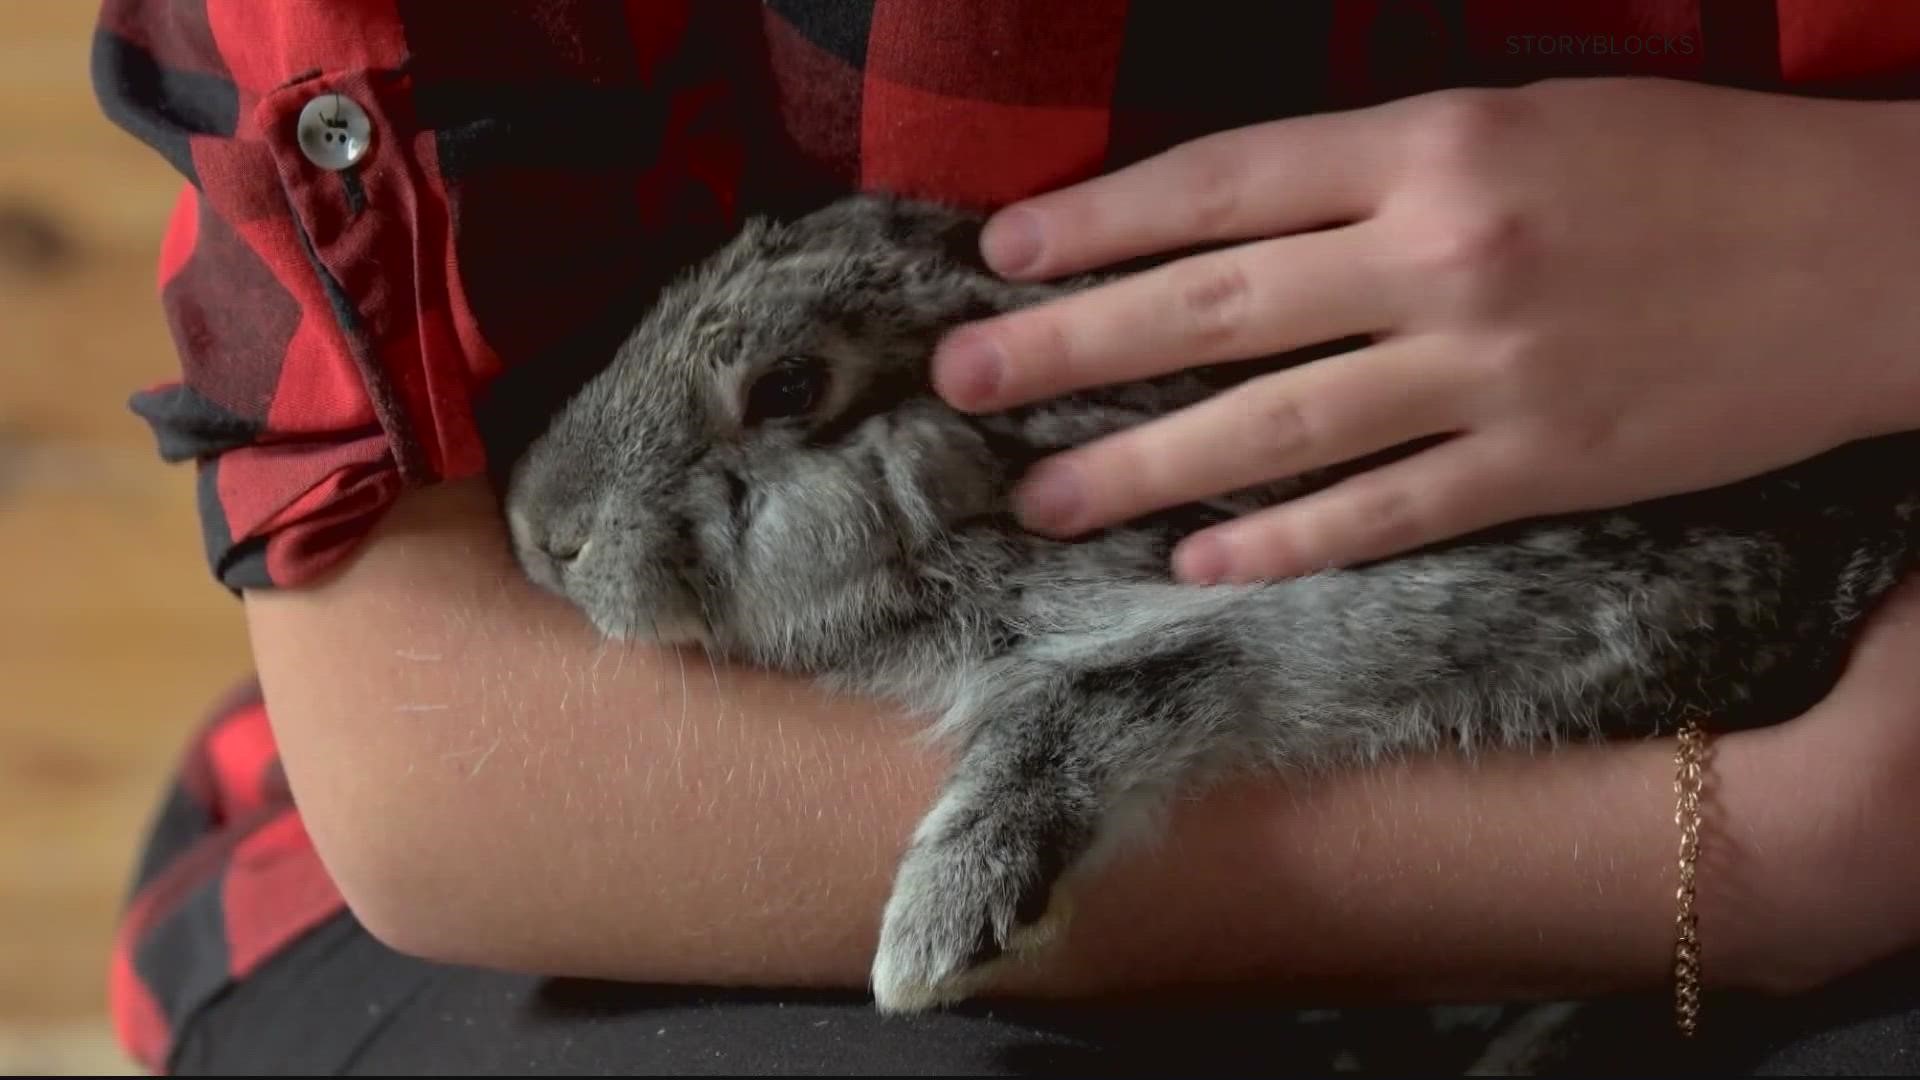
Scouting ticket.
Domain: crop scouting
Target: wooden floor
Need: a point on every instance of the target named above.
(112, 637)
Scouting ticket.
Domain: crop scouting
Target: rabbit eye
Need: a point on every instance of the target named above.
(793, 387)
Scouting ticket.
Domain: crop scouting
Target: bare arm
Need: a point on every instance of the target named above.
(492, 785)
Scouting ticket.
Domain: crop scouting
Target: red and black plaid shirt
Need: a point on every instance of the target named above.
(532, 161)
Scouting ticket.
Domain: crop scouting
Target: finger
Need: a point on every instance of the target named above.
(1266, 429)
(1282, 176)
(1467, 483)
(1255, 300)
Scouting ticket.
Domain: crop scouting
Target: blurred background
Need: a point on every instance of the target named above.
(113, 638)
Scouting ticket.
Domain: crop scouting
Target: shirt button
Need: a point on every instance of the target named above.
(334, 132)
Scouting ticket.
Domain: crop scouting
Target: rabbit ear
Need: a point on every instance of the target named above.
(909, 224)
(928, 225)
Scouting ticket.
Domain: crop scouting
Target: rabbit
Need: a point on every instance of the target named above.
(762, 469)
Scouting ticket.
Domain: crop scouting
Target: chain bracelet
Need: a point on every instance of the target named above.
(1687, 783)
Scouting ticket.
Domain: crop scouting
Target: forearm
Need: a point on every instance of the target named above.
(1527, 875)
(492, 785)
(1888, 393)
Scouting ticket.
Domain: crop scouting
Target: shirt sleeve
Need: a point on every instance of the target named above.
(339, 311)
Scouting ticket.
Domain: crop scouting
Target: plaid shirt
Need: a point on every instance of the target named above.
(534, 162)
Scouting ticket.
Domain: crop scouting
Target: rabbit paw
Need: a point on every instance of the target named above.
(961, 907)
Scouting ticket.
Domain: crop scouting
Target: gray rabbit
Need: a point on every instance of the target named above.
(763, 469)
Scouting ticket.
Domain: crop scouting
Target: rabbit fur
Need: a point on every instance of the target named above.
(764, 469)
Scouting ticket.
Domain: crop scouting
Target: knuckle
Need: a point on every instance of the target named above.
(1461, 129)
(1281, 428)
(1213, 298)
(1482, 243)
(1120, 478)
(1094, 466)
(1213, 194)
(1041, 352)
(1512, 365)
(1480, 255)
(1143, 477)
(1388, 518)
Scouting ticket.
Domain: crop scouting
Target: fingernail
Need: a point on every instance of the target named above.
(1050, 499)
(1202, 560)
(1011, 241)
(970, 366)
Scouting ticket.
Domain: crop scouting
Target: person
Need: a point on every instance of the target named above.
(1609, 250)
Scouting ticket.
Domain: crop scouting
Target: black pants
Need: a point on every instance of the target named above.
(341, 1003)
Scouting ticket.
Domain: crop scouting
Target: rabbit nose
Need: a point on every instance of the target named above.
(562, 544)
(564, 549)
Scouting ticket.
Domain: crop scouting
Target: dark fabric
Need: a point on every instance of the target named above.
(340, 1003)
(226, 877)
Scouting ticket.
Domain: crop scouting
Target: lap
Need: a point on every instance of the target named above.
(340, 1003)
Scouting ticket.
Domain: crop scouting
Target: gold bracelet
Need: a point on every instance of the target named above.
(1687, 782)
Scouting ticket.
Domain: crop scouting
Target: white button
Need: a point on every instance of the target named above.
(334, 132)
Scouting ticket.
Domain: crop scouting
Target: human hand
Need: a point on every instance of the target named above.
(1602, 290)
(1828, 865)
